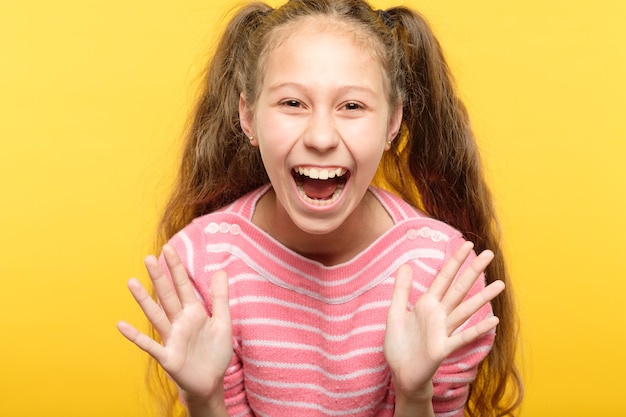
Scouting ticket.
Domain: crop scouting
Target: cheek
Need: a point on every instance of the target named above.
(369, 156)
(276, 133)
(368, 141)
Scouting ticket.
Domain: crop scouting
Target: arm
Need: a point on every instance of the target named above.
(419, 337)
(196, 349)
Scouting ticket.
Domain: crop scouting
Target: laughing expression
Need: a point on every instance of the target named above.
(322, 121)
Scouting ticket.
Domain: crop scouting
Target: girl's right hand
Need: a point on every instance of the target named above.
(196, 348)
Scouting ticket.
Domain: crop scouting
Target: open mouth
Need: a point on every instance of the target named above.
(320, 186)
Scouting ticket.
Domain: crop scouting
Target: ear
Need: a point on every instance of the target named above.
(395, 122)
(246, 119)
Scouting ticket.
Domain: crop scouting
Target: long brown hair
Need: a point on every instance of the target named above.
(434, 164)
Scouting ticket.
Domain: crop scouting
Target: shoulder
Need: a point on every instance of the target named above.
(242, 209)
(422, 224)
(220, 224)
(418, 239)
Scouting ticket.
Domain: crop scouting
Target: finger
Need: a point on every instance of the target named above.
(401, 290)
(219, 296)
(180, 278)
(150, 308)
(168, 298)
(469, 307)
(446, 275)
(473, 333)
(142, 341)
(463, 284)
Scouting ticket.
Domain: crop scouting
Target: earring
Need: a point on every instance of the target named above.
(250, 138)
(389, 142)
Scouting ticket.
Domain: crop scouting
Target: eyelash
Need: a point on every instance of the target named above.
(350, 106)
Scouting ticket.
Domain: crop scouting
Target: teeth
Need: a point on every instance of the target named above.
(320, 173)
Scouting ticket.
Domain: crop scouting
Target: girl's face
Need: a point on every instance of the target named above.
(322, 122)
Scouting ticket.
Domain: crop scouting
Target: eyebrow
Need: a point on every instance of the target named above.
(342, 88)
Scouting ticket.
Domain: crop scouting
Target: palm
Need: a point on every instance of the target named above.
(419, 338)
(193, 355)
(196, 349)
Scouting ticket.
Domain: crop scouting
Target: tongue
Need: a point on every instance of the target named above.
(319, 189)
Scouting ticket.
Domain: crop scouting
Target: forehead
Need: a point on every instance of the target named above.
(328, 45)
(318, 61)
(314, 26)
(359, 39)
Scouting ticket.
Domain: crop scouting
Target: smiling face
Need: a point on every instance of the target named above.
(322, 121)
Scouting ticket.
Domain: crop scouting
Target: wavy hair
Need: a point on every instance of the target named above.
(434, 164)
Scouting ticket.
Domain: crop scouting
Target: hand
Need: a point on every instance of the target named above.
(196, 349)
(418, 338)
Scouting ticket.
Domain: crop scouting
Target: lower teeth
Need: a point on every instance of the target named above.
(320, 202)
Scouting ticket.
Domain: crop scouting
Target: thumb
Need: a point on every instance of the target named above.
(401, 290)
(219, 296)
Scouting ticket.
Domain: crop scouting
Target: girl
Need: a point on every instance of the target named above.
(325, 294)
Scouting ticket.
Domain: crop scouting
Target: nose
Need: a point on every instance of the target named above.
(322, 134)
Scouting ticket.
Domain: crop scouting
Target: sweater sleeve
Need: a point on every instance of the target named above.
(190, 244)
(451, 382)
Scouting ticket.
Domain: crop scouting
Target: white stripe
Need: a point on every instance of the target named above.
(406, 257)
(425, 267)
(419, 253)
(302, 404)
(316, 368)
(318, 388)
(236, 279)
(456, 379)
(292, 325)
(384, 304)
(448, 414)
(301, 346)
(417, 285)
(243, 413)
(222, 265)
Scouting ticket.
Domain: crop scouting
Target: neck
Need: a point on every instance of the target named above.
(336, 247)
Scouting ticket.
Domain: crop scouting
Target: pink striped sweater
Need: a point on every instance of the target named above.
(308, 338)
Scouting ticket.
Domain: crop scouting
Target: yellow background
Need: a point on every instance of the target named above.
(94, 94)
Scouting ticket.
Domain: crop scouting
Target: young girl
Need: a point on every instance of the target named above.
(291, 285)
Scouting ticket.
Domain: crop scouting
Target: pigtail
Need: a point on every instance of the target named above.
(218, 164)
(433, 164)
(438, 154)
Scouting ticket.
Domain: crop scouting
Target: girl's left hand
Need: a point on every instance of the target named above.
(419, 337)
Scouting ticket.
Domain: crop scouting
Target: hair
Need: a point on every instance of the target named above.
(434, 163)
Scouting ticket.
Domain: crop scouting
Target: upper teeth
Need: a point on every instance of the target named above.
(320, 173)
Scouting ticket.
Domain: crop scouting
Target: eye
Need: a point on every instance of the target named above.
(292, 103)
(352, 106)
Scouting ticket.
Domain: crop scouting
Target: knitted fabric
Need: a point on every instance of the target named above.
(308, 338)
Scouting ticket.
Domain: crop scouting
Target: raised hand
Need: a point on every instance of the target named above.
(196, 349)
(419, 337)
